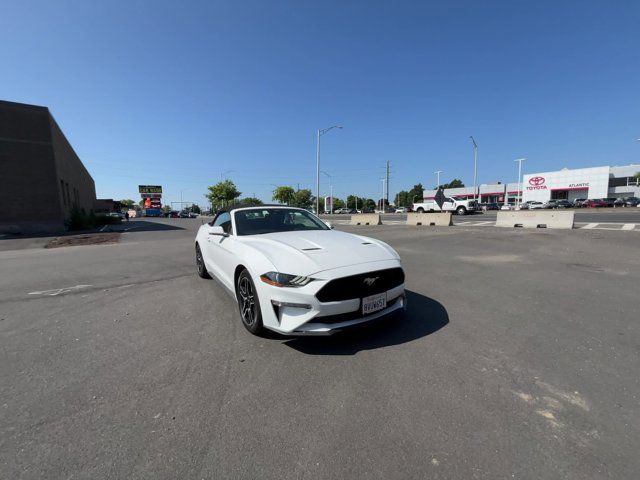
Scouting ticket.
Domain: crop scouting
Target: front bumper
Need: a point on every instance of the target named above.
(297, 311)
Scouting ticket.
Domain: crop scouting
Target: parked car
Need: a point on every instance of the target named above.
(489, 206)
(531, 205)
(116, 214)
(249, 250)
(579, 202)
(550, 204)
(340, 211)
(618, 202)
(594, 203)
(632, 202)
(193, 215)
(174, 214)
(564, 204)
(402, 210)
(610, 202)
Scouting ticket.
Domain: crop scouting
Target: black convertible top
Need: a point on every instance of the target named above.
(238, 206)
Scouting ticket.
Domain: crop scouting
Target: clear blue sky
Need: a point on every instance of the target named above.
(175, 93)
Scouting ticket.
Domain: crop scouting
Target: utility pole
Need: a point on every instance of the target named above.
(387, 182)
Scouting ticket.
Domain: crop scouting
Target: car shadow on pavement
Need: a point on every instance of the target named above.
(423, 317)
(141, 226)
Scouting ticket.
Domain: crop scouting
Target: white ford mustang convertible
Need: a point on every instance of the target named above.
(291, 273)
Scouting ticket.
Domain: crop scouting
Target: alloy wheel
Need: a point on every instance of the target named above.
(246, 301)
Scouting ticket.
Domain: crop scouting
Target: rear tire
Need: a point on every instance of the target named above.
(420, 210)
(248, 303)
(202, 269)
(461, 211)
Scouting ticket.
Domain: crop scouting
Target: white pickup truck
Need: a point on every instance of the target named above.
(451, 204)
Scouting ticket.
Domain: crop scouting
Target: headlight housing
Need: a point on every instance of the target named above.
(278, 279)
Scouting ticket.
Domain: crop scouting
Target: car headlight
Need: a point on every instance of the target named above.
(278, 279)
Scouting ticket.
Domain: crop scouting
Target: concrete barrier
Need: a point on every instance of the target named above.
(536, 219)
(365, 219)
(440, 219)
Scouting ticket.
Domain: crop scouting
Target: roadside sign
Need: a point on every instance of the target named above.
(149, 189)
(440, 198)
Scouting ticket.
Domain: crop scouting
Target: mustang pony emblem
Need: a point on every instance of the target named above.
(370, 280)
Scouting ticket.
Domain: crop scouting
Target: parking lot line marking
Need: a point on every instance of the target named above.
(628, 226)
(484, 223)
(590, 226)
(463, 223)
(59, 291)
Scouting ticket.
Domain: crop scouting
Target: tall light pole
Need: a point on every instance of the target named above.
(475, 165)
(438, 174)
(519, 160)
(181, 207)
(383, 180)
(330, 189)
(321, 131)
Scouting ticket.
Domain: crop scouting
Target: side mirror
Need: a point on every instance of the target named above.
(329, 225)
(217, 230)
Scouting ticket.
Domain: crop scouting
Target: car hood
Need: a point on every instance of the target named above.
(310, 252)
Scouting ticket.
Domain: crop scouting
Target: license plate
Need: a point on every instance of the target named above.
(374, 303)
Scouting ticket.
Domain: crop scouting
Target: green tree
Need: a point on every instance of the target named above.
(370, 204)
(302, 198)
(416, 193)
(338, 203)
(403, 199)
(194, 208)
(141, 203)
(351, 202)
(250, 201)
(283, 194)
(637, 176)
(222, 193)
(166, 209)
(455, 183)
(127, 203)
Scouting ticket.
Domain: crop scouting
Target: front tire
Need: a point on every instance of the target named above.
(202, 269)
(420, 210)
(248, 303)
(461, 211)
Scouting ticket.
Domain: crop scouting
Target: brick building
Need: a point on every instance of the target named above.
(41, 177)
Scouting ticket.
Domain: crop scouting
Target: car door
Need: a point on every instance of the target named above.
(220, 250)
(449, 205)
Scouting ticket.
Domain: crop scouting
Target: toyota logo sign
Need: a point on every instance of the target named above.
(536, 181)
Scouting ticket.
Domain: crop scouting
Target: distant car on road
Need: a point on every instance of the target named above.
(174, 214)
(116, 214)
(402, 210)
(184, 214)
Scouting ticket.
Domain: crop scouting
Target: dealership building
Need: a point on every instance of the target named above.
(42, 178)
(571, 184)
(565, 184)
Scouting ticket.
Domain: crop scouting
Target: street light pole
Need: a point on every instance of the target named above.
(475, 165)
(519, 160)
(330, 189)
(438, 174)
(321, 131)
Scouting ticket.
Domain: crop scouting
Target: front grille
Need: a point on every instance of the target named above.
(361, 285)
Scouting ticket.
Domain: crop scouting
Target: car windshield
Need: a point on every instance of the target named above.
(271, 220)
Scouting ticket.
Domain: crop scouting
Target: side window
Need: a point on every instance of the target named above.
(223, 220)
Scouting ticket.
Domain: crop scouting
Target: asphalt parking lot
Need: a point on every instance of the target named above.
(518, 358)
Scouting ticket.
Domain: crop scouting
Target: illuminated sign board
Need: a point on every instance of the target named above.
(149, 189)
